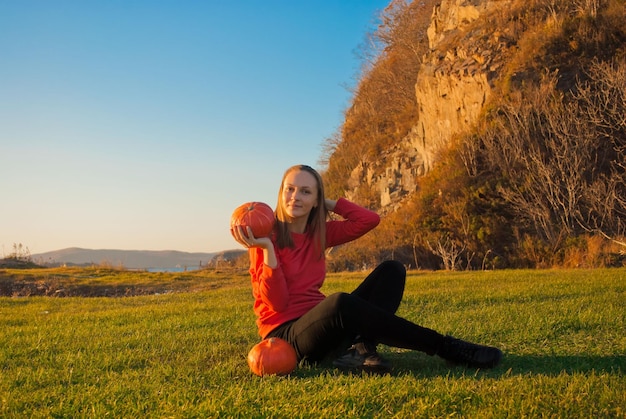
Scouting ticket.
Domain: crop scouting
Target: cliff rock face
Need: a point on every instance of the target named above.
(452, 86)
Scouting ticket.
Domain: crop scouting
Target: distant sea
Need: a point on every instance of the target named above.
(176, 269)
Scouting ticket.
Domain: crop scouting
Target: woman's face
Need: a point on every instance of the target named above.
(299, 194)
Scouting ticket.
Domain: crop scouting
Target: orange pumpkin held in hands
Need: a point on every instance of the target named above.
(272, 356)
(256, 215)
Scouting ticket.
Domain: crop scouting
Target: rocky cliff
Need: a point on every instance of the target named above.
(453, 84)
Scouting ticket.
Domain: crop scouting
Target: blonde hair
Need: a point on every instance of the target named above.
(316, 223)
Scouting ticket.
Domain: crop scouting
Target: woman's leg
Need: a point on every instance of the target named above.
(325, 326)
(384, 286)
(369, 312)
(343, 315)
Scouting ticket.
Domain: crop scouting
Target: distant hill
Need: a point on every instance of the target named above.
(133, 259)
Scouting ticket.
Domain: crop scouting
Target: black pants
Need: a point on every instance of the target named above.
(368, 312)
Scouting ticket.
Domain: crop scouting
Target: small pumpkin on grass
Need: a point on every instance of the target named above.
(272, 356)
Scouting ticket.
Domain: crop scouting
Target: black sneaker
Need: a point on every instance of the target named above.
(362, 356)
(460, 352)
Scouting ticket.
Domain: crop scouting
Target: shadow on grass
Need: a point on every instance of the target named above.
(424, 366)
(557, 364)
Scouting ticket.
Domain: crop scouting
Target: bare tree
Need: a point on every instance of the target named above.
(448, 250)
(20, 253)
(563, 158)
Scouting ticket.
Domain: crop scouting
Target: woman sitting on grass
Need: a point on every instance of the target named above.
(289, 268)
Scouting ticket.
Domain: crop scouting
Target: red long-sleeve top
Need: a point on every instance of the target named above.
(292, 288)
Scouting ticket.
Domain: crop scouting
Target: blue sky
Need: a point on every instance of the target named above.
(143, 124)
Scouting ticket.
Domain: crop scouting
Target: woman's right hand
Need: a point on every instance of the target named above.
(247, 239)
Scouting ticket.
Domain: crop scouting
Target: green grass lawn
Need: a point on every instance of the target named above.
(182, 353)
